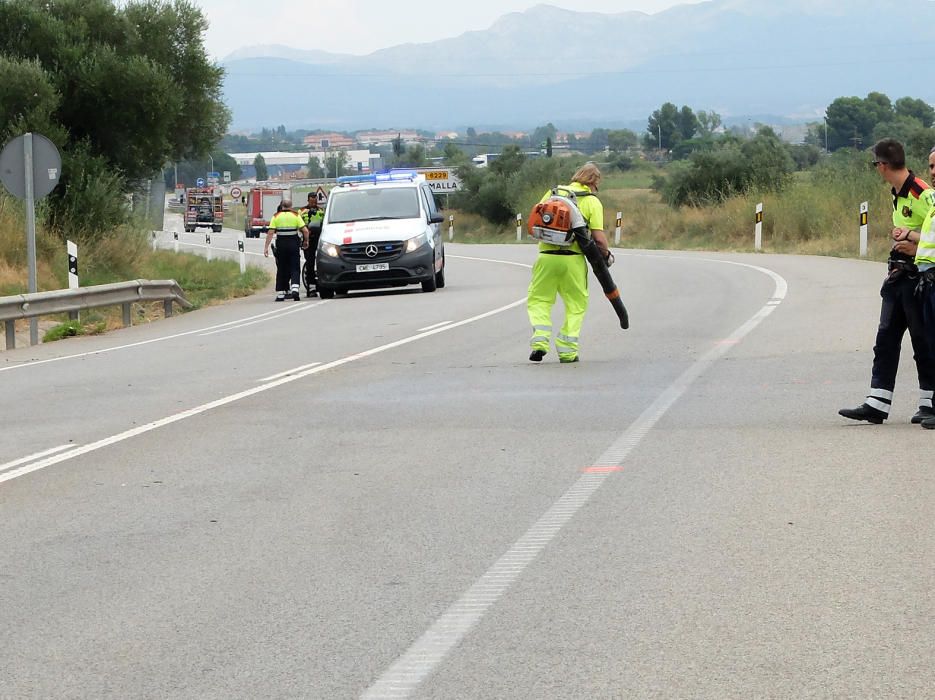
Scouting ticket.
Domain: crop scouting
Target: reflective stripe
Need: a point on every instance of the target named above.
(539, 339)
(925, 398)
(547, 329)
(570, 339)
(926, 394)
(879, 405)
(881, 394)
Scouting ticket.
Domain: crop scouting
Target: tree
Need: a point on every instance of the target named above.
(916, 109)
(548, 147)
(852, 120)
(622, 139)
(398, 147)
(662, 127)
(541, 134)
(336, 164)
(134, 85)
(708, 122)
(259, 164)
(510, 161)
(314, 169)
(454, 155)
(687, 123)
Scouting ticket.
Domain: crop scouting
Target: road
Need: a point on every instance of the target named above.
(379, 496)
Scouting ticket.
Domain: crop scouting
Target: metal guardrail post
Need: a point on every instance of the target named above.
(167, 307)
(10, 335)
(126, 314)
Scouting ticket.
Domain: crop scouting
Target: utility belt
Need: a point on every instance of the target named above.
(901, 268)
(560, 252)
(287, 232)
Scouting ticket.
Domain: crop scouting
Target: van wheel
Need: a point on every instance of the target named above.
(440, 276)
(429, 285)
(325, 292)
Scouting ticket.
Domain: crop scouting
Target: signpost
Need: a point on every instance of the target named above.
(864, 208)
(235, 192)
(321, 196)
(200, 182)
(227, 176)
(214, 178)
(441, 180)
(30, 167)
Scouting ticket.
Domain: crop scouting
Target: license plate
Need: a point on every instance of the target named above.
(373, 267)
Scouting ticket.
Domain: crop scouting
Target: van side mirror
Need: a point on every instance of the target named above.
(437, 219)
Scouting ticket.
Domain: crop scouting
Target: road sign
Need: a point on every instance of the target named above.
(235, 192)
(441, 180)
(227, 176)
(200, 182)
(320, 195)
(46, 166)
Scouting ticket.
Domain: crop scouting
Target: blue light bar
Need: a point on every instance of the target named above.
(346, 179)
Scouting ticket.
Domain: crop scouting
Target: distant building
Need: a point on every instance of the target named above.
(329, 142)
(280, 164)
(386, 137)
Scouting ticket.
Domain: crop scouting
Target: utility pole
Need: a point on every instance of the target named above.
(659, 129)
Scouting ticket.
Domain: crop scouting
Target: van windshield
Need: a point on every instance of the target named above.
(372, 204)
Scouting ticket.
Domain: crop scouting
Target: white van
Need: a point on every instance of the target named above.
(381, 230)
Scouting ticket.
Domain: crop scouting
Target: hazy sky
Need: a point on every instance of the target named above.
(363, 26)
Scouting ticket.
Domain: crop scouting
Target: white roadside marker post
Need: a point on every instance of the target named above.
(208, 243)
(451, 226)
(243, 256)
(758, 230)
(864, 208)
(175, 236)
(72, 250)
(617, 229)
(519, 228)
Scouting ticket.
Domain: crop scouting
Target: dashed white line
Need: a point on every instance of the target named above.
(289, 371)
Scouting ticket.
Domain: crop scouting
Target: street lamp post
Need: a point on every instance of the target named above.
(212, 162)
(659, 129)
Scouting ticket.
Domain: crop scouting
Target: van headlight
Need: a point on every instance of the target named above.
(416, 242)
(330, 249)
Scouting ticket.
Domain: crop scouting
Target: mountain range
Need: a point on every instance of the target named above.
(786, 58)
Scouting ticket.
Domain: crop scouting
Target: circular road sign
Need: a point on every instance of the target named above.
(200, 182)
(235, 192)
(46, 166)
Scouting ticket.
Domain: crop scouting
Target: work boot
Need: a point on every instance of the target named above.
(929, 423)
(295, 296)
(922, 414)
(864, 412)
(537, 355)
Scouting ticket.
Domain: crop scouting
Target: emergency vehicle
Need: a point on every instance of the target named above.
(261, 206)
(204, 208)
(380, 230)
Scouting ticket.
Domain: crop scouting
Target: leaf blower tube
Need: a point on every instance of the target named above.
(599, 265)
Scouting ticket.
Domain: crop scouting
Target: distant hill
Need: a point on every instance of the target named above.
(737, 57)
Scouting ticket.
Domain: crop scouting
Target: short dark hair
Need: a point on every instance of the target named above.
(891, 152)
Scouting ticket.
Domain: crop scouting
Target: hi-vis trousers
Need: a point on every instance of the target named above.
(567, 276)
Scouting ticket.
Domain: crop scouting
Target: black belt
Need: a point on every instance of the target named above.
(904, 265)
(560, 252)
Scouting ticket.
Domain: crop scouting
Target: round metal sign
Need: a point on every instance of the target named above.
(200, 182)
(46, 166)
(235, 192)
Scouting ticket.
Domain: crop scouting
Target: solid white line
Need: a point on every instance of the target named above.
(502, 262)
(294, 309)
(288, 372)
(141, 429)
(265, 314)
(435, 325)
(421, 659)
(38, 455)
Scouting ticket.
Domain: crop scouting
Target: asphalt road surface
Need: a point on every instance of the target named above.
(379, 496)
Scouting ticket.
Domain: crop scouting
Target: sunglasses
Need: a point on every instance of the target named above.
(875, 163)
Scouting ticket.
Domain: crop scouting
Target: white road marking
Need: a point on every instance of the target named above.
(38, 455)
(502, 262)
(288, 372)
(265, 315)
(220, 250)
(435, 325)
(175, 418)
(294, 309)
(402, 678)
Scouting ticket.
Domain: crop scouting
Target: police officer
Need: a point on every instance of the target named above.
(291, 234)
(312, 216)
(564, 271)
(925, 262)
(901, 308)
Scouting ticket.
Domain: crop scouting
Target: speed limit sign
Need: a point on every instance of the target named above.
(235, 192)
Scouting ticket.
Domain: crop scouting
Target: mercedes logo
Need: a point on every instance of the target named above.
(371, 251)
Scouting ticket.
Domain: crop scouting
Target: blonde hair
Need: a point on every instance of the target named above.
(588, 174)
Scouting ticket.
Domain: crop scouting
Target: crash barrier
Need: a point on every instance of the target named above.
(62, 301)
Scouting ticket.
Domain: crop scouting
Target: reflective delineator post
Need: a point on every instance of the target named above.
(451, 227)
(175, 236)
(864, 208)
(208, 244)
(617, 229)
(154, 240)
(243, 256)
(519, 228)
(758, 230)
(72, 250)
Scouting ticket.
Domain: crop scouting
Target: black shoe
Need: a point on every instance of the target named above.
(922, 414)
(566, 360)
(295, 296)
(310, 294)
(864, 412)
(537, 355)
(929, 423)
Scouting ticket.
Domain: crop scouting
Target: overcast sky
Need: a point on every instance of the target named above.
(363, 26)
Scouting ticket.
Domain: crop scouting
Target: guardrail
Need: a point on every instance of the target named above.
(71, 301)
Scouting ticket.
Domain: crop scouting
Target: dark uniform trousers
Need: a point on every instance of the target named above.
(314, 233)
(288, 261)
(901, 310)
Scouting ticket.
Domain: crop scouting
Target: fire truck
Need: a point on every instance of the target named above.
(261, 206)
(204, 208)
